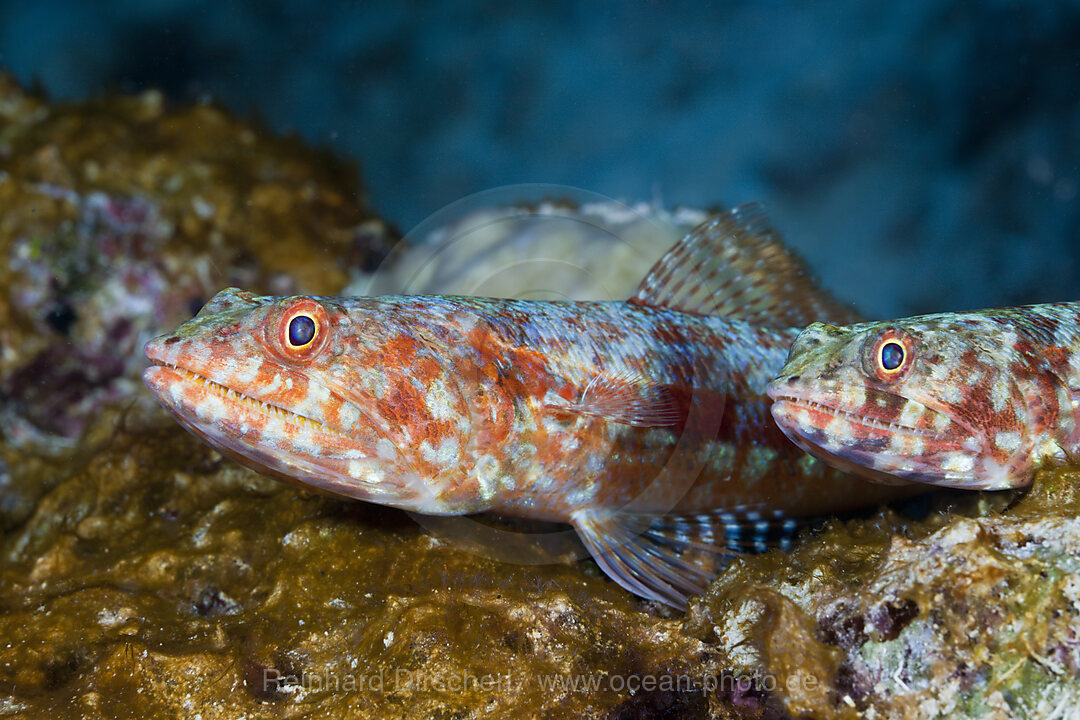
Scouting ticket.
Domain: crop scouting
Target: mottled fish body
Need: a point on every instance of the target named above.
(977, 400)
(643, 423)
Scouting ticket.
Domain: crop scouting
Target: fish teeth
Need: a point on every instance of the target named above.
(860, 419)
(236, 396)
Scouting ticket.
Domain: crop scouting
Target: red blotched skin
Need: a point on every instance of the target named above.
(972, 400)
(459, 405)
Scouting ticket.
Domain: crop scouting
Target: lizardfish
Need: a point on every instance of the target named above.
(641, 423)
(976, 400)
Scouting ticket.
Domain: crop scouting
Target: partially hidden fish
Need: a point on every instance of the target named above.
(977, 400)
(641, 423)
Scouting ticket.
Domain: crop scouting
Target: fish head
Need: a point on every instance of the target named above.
(928, 400)
(312, 390)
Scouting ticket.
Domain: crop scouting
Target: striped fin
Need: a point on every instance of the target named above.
(626, 399)
(735, 265)
(669, 558)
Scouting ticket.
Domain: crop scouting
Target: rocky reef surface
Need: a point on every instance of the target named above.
(142, 575)
(162, 581)
(120, 218)
(971, 612)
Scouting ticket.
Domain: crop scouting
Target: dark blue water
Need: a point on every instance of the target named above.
(923, 155)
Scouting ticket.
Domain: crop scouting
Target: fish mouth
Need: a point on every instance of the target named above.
(779, 401)
(329, 474)
(157, 384)
(874, 457)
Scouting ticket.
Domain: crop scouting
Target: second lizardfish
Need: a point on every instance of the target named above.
(977, 400)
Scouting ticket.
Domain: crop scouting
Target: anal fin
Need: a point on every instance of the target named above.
(669, 558)
(626, 399)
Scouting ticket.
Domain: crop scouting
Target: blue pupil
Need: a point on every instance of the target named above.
(892, 356)
(301, 330)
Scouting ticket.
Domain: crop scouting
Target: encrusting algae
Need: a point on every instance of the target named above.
(120, 218)
(969, 612)
(162, 579)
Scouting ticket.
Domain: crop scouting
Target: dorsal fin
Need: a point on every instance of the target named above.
(735, 265)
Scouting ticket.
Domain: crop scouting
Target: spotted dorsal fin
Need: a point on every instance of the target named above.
(735, 265)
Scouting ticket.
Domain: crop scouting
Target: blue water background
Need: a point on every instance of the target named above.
(923, 155)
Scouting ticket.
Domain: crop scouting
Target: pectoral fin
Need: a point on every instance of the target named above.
(625, 399)
(669, 558)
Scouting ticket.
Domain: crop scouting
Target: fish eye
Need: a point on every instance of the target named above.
(892, 356)
(301, 331)
(297, 329)
(889, 354)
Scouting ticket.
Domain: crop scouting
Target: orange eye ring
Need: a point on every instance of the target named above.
(891, 354)
(299, 330)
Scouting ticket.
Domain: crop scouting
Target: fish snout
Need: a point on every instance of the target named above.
(782, 385)
(160, 350)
